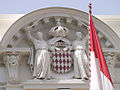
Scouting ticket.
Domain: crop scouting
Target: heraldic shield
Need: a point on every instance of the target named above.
(61, 60)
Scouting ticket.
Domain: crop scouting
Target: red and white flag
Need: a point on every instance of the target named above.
(100, 78)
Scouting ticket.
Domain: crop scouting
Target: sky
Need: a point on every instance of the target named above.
(99, 7)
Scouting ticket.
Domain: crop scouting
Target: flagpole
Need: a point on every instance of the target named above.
(93, 63)
(89, 43)
(90, 12)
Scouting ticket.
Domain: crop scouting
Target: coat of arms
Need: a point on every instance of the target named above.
(61, 60)
(61, 52)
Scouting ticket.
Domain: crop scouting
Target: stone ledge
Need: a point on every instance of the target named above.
(18, 50)
(73, 83)
(27, 50)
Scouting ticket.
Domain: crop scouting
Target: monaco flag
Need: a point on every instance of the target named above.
(100, 78)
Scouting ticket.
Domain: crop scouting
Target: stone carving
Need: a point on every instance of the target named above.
(111, 61)
(11, 61)
(58, 30)
(109, 58)
(80, 57)
(60, 57)
(60, 48)
(41, 61)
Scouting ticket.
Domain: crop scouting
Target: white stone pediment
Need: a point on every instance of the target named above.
(15, 42)
(78, 20)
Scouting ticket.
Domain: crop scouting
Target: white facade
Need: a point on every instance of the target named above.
(13, 41)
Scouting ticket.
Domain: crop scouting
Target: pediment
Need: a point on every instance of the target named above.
(77, 22)
(15, 42)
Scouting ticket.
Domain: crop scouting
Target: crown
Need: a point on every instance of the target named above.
(58, 30)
